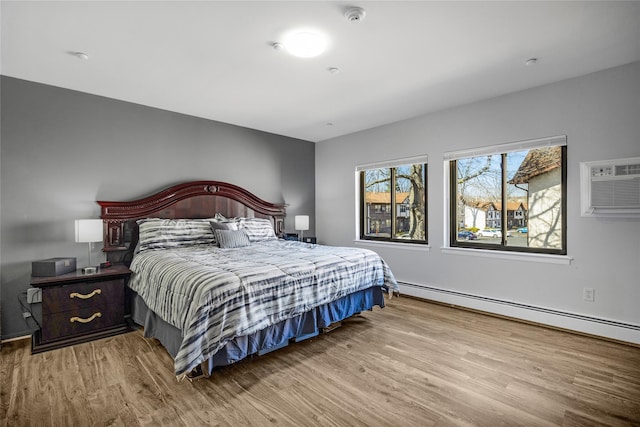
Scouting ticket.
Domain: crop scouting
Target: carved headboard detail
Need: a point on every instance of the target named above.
(197, 199)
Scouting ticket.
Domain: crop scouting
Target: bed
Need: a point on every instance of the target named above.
(214, 281)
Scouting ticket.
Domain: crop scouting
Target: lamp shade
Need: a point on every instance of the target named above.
(302, 222)
(89, 230)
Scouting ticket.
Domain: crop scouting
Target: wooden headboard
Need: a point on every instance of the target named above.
(197, 199)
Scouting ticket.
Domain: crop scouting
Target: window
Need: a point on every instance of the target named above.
(393, 200)
(510, 197)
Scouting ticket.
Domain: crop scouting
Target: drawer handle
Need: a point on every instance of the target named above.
(81, 320)
(87, 296)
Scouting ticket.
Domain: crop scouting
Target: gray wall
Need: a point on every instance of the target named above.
(62, 150)
(599, 113)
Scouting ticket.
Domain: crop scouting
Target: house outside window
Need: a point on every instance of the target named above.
(393, 201)
(512, 195)
(516, 212)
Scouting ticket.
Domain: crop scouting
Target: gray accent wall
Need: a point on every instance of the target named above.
(62, 150)
(599, 113)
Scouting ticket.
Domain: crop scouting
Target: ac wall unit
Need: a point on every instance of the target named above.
(611, 187)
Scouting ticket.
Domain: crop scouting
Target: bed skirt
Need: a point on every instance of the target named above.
(276, 336)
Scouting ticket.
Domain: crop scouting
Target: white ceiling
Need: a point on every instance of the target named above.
(215, 59)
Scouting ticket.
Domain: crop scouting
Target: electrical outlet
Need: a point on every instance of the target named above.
(589, 294)
(34, 295)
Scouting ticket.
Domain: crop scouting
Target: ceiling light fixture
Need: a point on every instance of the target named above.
(305, 44)
(531, 61)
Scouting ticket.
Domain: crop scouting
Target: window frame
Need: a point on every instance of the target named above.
(361, 200)
(503, 150)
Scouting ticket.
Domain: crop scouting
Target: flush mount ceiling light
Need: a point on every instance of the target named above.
(305, 43)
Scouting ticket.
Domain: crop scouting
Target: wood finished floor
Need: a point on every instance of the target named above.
(411, 364)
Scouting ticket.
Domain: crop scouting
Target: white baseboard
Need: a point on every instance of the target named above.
(606, 328)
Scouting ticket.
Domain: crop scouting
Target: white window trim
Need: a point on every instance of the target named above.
(396, 245)
(513, 256)
(560, 140)
(392, 163)
(551, 141)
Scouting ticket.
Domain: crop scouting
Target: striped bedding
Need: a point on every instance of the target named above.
(214, 295)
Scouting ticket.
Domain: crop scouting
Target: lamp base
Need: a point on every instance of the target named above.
(89, 270)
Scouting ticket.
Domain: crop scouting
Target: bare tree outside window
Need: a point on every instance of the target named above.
(510, 201)
(393, 203)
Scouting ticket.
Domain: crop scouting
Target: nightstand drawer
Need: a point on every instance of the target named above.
(78, 307)
(80, 321)
(80, 295)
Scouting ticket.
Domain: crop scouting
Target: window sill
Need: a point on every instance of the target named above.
(397, 245)
(513, 256)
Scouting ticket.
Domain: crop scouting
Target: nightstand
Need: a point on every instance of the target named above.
(79, 307)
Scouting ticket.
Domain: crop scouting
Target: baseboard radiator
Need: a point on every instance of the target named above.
(612, 329)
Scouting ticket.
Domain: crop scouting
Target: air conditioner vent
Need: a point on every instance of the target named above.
(611, 188)
(615, 194)
(622, 170)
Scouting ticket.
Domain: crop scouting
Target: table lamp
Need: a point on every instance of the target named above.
(89, 231)
(301, 224)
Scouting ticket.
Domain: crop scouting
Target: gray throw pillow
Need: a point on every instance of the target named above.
(232, 238)
(224, 225)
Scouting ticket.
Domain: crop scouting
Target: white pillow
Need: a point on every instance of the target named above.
(258, 229)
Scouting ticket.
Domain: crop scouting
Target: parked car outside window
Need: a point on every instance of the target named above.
(492, 232)
(466, 235)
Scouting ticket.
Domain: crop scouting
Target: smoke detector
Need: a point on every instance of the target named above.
(354, 14)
